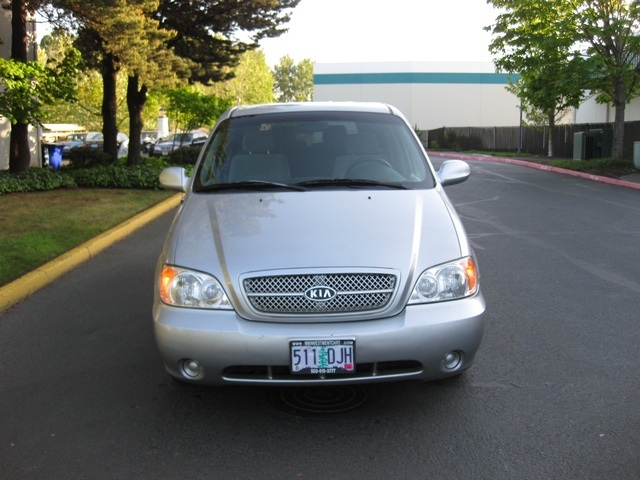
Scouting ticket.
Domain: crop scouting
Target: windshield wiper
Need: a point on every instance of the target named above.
(248, 185)
(350, 182)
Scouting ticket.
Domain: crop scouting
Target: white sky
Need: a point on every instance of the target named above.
(336, 31)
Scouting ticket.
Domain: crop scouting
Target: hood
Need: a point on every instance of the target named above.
(231, 234)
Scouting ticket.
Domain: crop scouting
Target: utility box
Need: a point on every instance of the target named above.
(636, 154)
(592, 144)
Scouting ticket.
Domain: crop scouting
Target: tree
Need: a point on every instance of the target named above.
(123, 36)
(29, 85)
(252, 81)
(563, 47)
(536, 39)
(190, 108)
(135, 34)
(293, 82)
(154, 65)
(95, 55)
(611, 30)
(207, 29)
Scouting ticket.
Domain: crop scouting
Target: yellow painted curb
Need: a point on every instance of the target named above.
(24, 286)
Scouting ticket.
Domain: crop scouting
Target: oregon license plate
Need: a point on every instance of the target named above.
(325, 357)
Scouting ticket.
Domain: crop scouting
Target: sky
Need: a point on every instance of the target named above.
(341, 31)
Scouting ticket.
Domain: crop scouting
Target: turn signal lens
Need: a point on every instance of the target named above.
(186, 288)
(450, 281)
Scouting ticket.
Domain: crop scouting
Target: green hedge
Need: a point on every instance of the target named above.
(116, 176)
(184, 155)
(89, 158)
(33, 180)
(144, 176)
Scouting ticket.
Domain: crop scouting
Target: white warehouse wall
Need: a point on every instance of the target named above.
(442, 94)
(592, 112)
(430, 94)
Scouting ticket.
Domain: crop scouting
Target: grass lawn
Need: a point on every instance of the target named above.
(37, 227)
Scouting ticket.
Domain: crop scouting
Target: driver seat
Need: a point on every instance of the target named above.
(359, 146)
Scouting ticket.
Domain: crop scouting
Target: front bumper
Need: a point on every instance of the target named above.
(231, 350)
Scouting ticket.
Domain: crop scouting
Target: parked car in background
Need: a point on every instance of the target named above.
(316, 245)
(177, 140)
(76, 140)
(148, 139)
(97, 141)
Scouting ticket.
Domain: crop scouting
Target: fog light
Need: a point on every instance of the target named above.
(452, 360)
(191, 368)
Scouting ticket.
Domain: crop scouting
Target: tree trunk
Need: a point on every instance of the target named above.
(109, 106)
(552, 125)
(617, 148)
(19, 150)
(135, 102)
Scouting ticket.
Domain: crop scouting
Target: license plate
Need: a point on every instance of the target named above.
(326, 357)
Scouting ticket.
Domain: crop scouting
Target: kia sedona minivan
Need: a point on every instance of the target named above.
(316, 245)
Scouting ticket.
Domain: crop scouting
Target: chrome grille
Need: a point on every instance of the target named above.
(355, 292)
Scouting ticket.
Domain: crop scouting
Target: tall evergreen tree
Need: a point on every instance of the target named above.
(207, 31)
(121, 35)
(146, 37)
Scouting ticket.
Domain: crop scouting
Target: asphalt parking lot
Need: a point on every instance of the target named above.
(553, 393)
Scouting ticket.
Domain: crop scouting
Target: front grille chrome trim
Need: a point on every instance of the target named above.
(355, 292)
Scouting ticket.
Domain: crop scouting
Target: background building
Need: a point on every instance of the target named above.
(442, 94)
(466, 106)
(429, 94)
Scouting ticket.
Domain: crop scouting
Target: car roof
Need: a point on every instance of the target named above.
(294, 107)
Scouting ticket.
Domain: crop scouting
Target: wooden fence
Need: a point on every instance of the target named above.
(531, 140)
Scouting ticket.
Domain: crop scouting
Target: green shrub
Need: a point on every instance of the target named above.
(117, 176)
(144, 176)
(33, 180)
(184, 155)
(594, 166)
(155, 162)
(89, 158)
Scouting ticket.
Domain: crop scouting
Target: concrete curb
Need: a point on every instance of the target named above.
(24, 286)
(538, 166)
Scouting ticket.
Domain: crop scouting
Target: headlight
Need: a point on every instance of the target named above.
(187, 288)
(450, 281)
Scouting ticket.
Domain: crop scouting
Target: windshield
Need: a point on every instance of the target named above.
(314, 149)
(93, 136)
(178, 138)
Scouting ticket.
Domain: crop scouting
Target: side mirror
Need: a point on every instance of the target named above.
(453, 171)
(174, 178)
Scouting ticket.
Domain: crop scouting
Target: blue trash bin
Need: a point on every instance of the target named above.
(55, 155)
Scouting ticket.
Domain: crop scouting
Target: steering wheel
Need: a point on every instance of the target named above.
(365, 161)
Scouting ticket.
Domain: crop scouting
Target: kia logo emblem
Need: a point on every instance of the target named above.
(320, 294)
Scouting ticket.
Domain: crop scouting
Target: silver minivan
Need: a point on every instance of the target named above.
(315, 244)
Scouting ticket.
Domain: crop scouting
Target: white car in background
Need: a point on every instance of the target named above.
(172, 142)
